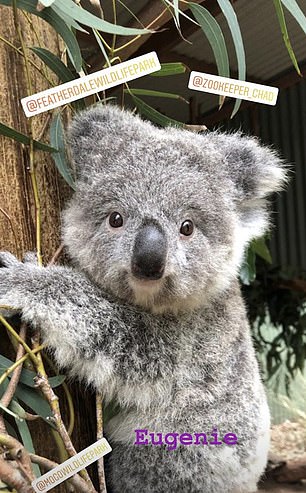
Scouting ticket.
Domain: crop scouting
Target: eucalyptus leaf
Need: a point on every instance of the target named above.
(181, 12)
(176, 12)
(68, 20)
(296, 12)
(157, 94)
(50, 16)
(233, 24)
(172, 68)
(84, 17)
(54, 63)
(154, 115)
(213, 32)
(284, 30)
(27, 376)
(248, 269)
(260, 248)
(101, 46)
(46, 3)
(35, 401)
(25, 433)
(11, 431)
(8, 411)
(57, 139)
(24, 139)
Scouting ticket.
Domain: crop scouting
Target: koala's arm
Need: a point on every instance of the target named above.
(97, 339)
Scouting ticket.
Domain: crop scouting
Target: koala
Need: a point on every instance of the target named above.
(150, 312)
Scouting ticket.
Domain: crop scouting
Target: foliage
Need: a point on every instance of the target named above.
(277, 300)
(25, 390)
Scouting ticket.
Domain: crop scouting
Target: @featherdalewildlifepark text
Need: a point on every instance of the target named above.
(172, 440)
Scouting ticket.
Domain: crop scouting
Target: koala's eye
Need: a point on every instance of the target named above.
(187, 228)
(115, 220)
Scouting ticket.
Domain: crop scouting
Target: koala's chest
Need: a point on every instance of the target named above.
(157, 348)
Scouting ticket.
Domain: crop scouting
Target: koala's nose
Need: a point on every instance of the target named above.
(149, 253)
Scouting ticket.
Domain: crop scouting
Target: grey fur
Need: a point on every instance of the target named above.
(175, 353)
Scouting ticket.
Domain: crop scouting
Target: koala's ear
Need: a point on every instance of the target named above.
(95, 134)
(256, 171)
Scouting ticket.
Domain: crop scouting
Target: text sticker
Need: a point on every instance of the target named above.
(90, 84)
(233, 88)
(71, 466)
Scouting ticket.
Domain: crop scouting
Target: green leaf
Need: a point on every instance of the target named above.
(158, 94)
(176, 13)
(101, 46)
(11, 431)
(60, 69)
(154, 115)
(283, 26)
(233, 24)
(248, 269)
(57, 140)
(35, 401)
(70, 22)
(54, 63)
(27, 376)
(23, 139)
(50, 16)
(260, 248)
(84, 17)
(8, 411)
(297, 13)
(47, 3)
(181, 12)
(212, 31)
(172, 68)
(24, 432)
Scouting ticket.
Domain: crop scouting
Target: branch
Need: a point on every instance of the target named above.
(99, 412)
(13, 332)
(10, 391)
(13, 477)
(16, 451)
(57, 254)
(154, 17)
(17, 363)
(41, 381)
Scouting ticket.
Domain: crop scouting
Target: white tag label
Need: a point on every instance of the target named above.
(71, 466)
(233, 88)
(90, 84)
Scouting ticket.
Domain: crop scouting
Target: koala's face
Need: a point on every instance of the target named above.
(159, 218)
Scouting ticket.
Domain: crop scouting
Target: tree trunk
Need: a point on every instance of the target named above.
(16, 195)
(17, 208)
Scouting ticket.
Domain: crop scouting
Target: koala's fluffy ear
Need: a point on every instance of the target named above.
(96, 134)
(256, 171)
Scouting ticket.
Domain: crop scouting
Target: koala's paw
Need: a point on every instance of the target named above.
(14, 276)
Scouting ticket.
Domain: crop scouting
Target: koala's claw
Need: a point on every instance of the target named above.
(7, 259)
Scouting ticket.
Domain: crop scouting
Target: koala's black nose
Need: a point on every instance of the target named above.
(149, 254)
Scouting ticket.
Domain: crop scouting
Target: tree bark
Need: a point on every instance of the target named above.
(17, 208)
(16, 195)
